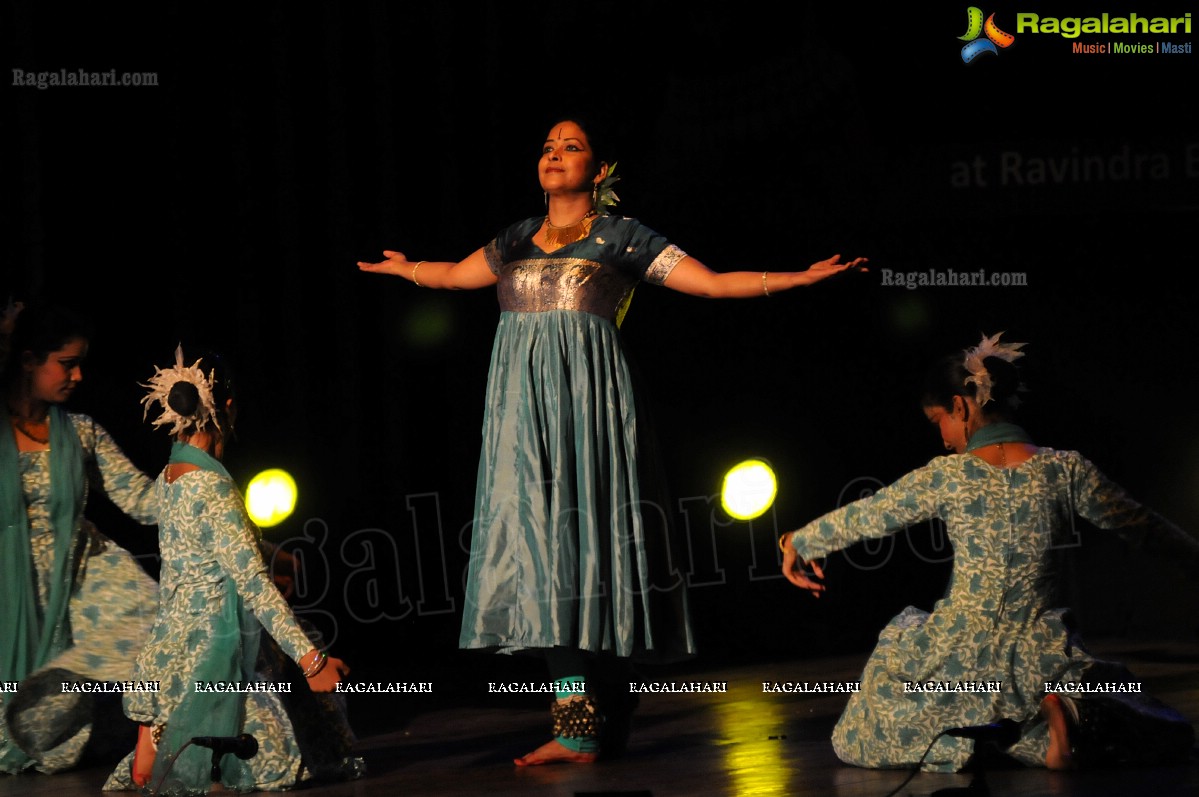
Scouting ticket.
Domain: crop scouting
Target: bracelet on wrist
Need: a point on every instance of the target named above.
(316, 665)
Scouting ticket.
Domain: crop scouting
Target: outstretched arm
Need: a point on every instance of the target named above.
(125, 484)
(793, 569)
(235, 546)
(1105, 504)
(912, 499)
(693, 277)
(469, 274)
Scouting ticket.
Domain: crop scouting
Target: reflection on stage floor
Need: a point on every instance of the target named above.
(739, 742)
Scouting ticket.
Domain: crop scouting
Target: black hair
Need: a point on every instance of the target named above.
(41, 329)
(222, 373)
(947, 378)
(44, 328)
(184, 397)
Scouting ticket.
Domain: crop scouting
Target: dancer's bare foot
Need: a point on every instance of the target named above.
(143, 756)
(552, 752)
(1058, 756)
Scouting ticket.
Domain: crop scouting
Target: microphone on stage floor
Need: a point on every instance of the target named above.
(244, 746)
(1005, 732)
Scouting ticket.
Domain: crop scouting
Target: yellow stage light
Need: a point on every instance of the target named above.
(271, 497)
(749, 489)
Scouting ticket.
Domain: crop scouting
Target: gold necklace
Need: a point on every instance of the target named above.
(568, 233)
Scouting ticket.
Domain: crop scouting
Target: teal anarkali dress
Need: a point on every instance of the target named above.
(997, 623)
(563, 551)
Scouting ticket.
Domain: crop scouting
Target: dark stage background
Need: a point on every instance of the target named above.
(228, 205)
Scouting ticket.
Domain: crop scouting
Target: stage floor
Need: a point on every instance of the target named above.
(742, 742)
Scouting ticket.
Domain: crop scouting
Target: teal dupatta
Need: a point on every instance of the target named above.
(34, 635)
(998, 432)
(181, 768)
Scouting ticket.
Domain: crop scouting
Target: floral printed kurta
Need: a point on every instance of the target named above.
(205, 539)
(111, 607)
(995, 623)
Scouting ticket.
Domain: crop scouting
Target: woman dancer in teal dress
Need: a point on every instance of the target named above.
(1008, 507)
(74, 606)
(561, 560)
(216, 598)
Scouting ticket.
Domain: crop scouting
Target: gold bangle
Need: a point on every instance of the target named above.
(783, 542)
(765, 290)
(316, 665)
(414, 268)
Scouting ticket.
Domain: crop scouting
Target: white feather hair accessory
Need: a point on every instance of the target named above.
(979, 376)
(160, 389)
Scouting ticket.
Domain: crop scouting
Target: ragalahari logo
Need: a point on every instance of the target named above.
(975, 27)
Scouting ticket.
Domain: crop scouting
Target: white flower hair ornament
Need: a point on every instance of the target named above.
(605, 197)
(979, 376)
(160, 390)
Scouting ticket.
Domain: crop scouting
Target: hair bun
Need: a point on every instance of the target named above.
(1005, 378)
(184, 399)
